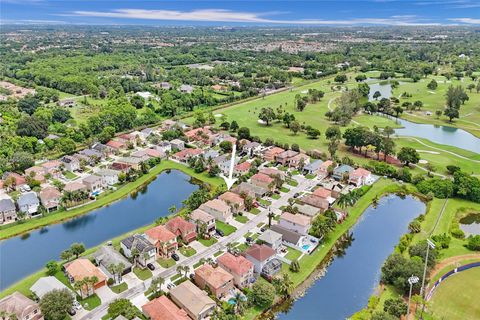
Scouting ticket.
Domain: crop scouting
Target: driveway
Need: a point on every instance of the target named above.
(131, 280)
(197, 246)
(139, 300)
(105, 294)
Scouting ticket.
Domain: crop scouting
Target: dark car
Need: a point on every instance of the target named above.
(296, 195)
(263, 229)
(72, 312)
(150, 266)
(175, 257)
(249, 239)
(192, 276)
(220, 233)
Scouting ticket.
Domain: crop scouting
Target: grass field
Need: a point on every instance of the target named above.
(226, 228)
(457, 297)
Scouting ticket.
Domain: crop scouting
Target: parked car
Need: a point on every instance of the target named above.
(296, 195)
(150, 266)
(220, 232)
(175, 257)
(249, 239)
(170, 286)
(77, 305)
(262, 229)
(192, 276)
(72, 312)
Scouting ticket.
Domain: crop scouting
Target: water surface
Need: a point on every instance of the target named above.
(470, 224)
(25, 254)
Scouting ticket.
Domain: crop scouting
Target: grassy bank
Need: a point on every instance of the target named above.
(15, 229)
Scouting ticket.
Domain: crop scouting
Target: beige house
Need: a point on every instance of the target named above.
(239, 267)
(234, 200)
(218, 280)
(22, 307)
(200, 217)
(218, 209)
(194, 301)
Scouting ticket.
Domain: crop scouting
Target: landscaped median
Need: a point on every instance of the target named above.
(8, 231)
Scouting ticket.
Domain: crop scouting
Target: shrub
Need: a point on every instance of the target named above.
(396, 307)
(442, 240)
(110, 282)
(414, 226)
(441, 188)
(474, 243)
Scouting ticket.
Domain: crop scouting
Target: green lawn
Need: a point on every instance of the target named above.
(242, 247)
(218, 253)
(276, 196)
(175, 277)
(284, 189)
(166, 263)
(120, 288)
(292, 182)
(226, 228)
(457, 297)
(198, 264)
(241, 219)
(91, 302)
(255, 211)
(187, 251)
(208, 242)
(293, 254)
(265, 202)
(105, 199)
(142, 274)
(70, 175)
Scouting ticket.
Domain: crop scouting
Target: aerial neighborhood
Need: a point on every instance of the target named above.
(204, 255)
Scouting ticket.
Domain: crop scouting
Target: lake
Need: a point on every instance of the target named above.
(28, 253)
(353, 276)
(470, 224)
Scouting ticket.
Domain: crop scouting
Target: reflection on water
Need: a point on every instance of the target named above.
(25, 254)
(470, 224)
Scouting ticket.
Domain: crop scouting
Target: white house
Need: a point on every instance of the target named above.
(28, 203)
(298, 223)
(360, 177)
(109, 177)
(70, 163)
(272, 239)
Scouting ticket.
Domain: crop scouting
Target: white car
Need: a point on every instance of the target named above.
(77, 305)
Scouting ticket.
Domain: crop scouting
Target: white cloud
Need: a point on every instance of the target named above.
(466, 20)
(222, 15)
(29, 21)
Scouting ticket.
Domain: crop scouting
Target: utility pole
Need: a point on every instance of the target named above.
(430, 244)
(412, 280)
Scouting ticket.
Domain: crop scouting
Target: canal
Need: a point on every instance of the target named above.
(25, 254)
(353, 275)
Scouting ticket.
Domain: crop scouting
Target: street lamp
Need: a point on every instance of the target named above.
(412, 280)
(430, 244)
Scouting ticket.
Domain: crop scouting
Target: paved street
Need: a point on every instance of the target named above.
(136, 293)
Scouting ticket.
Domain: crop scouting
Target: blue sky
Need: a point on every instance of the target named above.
(243, 12)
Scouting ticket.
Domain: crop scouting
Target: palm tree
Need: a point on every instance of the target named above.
(78, 286)
(135, 254)
(271, 215)
(239, 303)
(344, 200)
(172, 209)
(186, 269)
(156, 285)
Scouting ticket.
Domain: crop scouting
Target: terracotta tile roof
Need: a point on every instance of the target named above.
(322, 193)
(74, 186)
(51, 164)
(115, 144)
(163, 309)
(271, 172)
(154, 153)
(160, 233)
(262, 178)
(49, 193)
(244, 166)
(274, 151)
(260, 252)
(82, 268)
(326, 164)
(237, 264)
(187, 153)
(299, 219)
(360, 172)
(215, 277)
(315, 201)
(230, 197)
(178, 223)
(217, 205)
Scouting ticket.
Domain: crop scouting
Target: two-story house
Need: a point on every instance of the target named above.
(163, 239)
(239, 267)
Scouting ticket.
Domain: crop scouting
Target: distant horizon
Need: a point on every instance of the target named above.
(340, 13)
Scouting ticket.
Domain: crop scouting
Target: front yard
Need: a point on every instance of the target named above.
(226, 228)
(187, 251)
(90, 303)
(119, 288)
(207, 242)
(142, 274)
(166, 262)
(254, 211)
(241, 219)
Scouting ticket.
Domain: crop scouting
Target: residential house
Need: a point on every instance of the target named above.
(21, 307)
(203, 135)
(264, 260)
(307, 210)
(128, 138)
(284, 157)
(140, 244)
(220, 137)
(217, 280)
(250, 190)
(147, 132)
(70, 163)
(133, 162)
(74, 186)
(194, 301)
(162, 308)
(272, 239)
(163, 239)
(121, 167)
(242, 168)
(217, 87)
(141, 155)
(360, 177)
(211, 154)
(342, 171)
(82, 268)
(271, 153)
(90, 156)
(170, 124)
(182, 228)
(53, 168)
(93, 183)
(28, 203)
(263, 181)
(186, 154)
(290, 238)
(312, 167)
(298, 223)
(109, 176)
(252, 149)
(164, 147)
(203, 220)
(298, 161)
(323, 170)
(68, 102)
(218, 209)
(186, 88)
(234, 200)
(322, 193)
(177, 144)
(107, 256)
(8, 212)
(50, 198)
(117, 146)
(105, 150)
(239, 267)
(18, 181)
(45, 285)
(164, 85)
(36, 172)
(273, 172)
